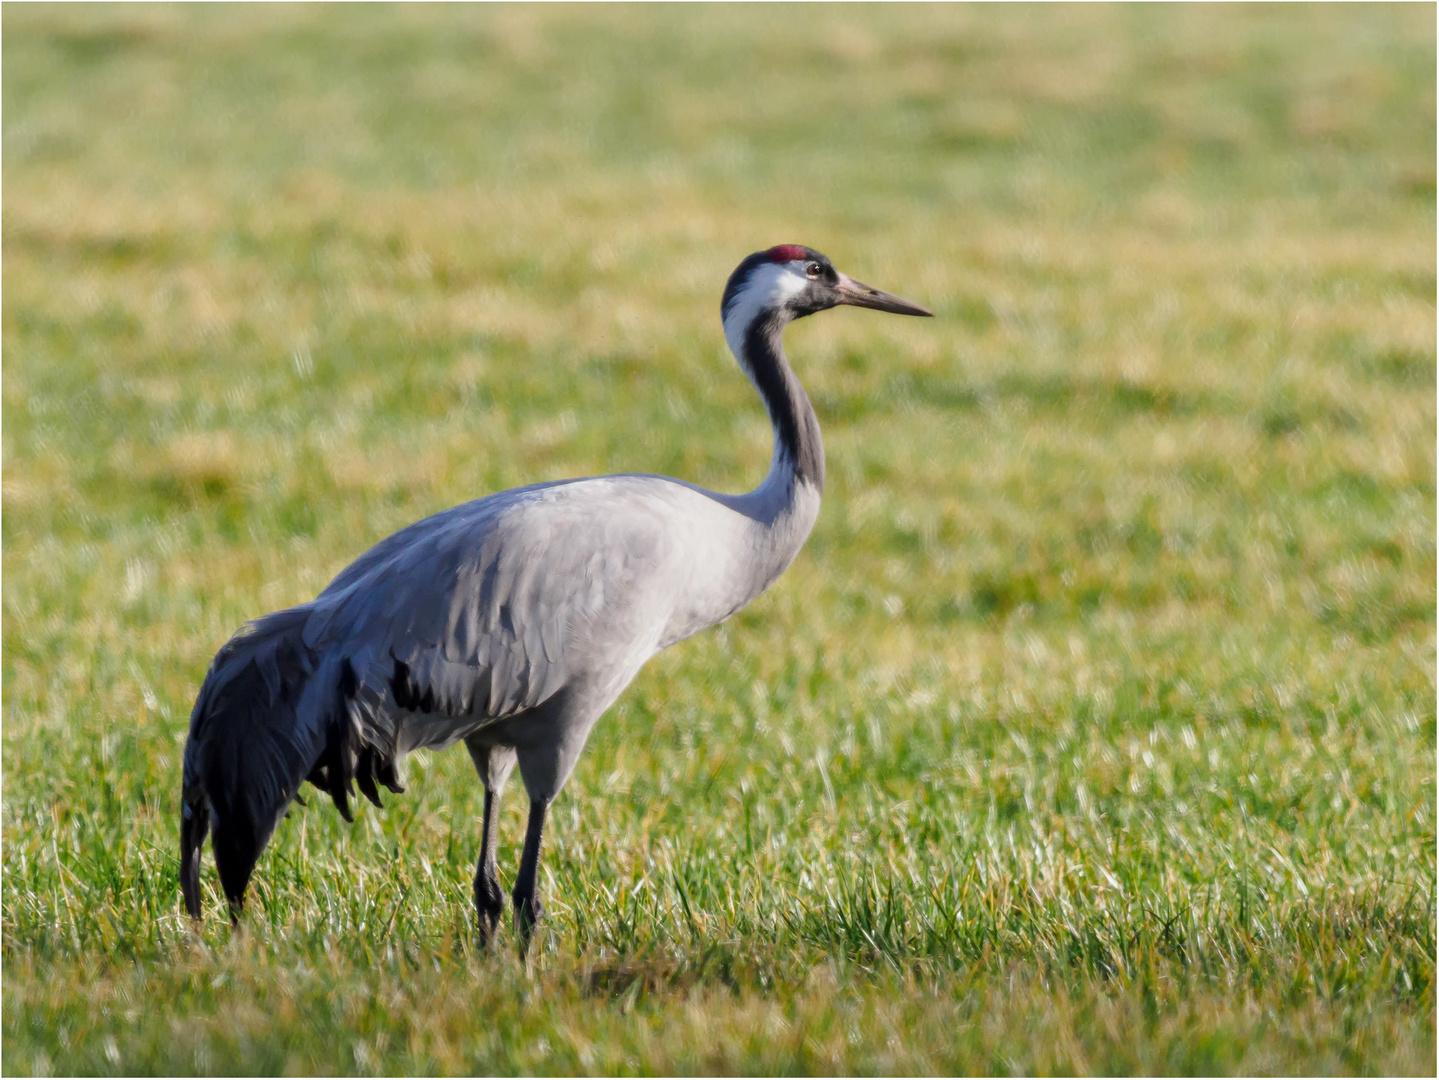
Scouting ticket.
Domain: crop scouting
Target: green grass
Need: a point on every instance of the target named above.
(1094, 731)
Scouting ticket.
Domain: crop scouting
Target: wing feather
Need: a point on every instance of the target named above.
(476, 612)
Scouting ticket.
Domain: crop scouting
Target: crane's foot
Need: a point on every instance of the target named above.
(528, 912)
(490, 905)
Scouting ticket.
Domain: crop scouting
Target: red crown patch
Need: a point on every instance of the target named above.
(785, 253)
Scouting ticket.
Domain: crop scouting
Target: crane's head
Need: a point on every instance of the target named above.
(789, 282)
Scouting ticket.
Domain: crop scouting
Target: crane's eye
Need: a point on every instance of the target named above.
(813, 270)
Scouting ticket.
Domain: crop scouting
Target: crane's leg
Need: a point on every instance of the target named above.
(494, 764)
(556, 737)
(527, 907)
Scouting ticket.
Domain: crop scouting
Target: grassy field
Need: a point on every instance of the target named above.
(1094, 731)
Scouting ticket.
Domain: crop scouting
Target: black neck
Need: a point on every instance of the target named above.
(796, 428)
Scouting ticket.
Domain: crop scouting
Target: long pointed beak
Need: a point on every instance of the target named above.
(859, 294)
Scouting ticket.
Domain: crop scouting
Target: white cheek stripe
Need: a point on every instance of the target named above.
(768, 287)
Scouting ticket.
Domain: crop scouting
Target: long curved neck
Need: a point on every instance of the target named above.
(748, 550)
(798, 447)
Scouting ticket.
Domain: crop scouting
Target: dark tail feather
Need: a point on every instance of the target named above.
(335, 772)
(237, 845)
(272, 713)
(365, 776)
(386, 774)
(237, 848)
(347, 758)
(250, 745)
(194, 824)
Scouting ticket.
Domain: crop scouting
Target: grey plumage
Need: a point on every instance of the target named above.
(512, 621)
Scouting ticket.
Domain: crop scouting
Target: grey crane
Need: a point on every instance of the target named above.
(512, 622)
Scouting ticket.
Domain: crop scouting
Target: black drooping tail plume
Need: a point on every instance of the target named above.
(248, 750)
(271, 714)
(194, 825)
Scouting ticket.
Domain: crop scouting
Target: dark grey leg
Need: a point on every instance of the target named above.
(557, 733)
(493, 763)
(489, 897)
(527, 908)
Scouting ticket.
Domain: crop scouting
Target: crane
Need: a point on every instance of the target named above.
(511, 622)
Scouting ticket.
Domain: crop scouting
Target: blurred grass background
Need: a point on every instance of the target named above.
(1093, 732)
